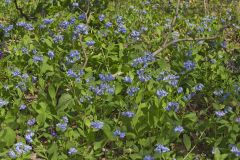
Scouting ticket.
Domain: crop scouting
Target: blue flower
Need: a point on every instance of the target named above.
(172, 106)
(12, 154)
(189, 65)
(63, 124)
(64, 24)
(38, 58)
(106, 77)
(3, 102)
(180, 90)
(47, 21)
(122, 29)
(135, 35)
(97, 124)
(161, 93)
(71, 73)
(161, 149)
(22, 107)
(108, 25)
(119, 133)
(21, 149)
(128, 114)
(235, 150)
(220, 113)
(82, 16)
(81, 29)
(148, 157)
(75, 4)
(72, 151)
(16, 73)
(31, 122)
(73, 56)
(179, 129)
(101, 17)
(90, 43)
(29, 136)
(51, 54)
(131, 91)
(58, 38)
(127, 79)
(199, 87)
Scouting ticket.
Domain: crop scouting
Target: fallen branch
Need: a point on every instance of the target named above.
(182, 40)
(21, 12)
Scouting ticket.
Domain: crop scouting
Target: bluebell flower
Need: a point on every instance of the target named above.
(16, 73)
(147, 58)
(71, 73)
(63, 124)
(108, 25)
(42, 26)
(64, 24)
(144, 29)
(82, 16)
(189, 65)
(58, 38)
(3, 102)
(25, 76)
(161, 149)
(8, 1)
(72, 20)
(119, 133)
(38, 58)
(1, 54)
(119, 20)
(97, 124)
(237, 120)
(81, 29)
(31, 122)
(148, 157)
(21, 148)
(101, 17)
(122, 29)
(180, 90)
(24, 50)
(8, 28)
(135, 34)
(128, 114)
(235, 150)
(47, 21)
(50, 54)
(179, 129)
(161, 93)
(199, 87)
(132, 90)
(72, 151)
(29, 27)
(73, 56)
(22, 107)
(220, 113)
(172, 106)
(90, 43)
(12, 154)
(218, 92)
(75, 4)
(29, 136)
(127, 79)
(106, 77)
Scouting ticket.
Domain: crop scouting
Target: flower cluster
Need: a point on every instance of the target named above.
(19, 150)
(63, 124)
(119, 133)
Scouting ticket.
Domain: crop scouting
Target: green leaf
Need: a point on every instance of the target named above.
(7, 136)
(65, 101)
(187, 141)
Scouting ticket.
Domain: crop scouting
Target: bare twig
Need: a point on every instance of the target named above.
(21, 12)
(194, 145)
(172, 23)
(182, 40)
(84, 52)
